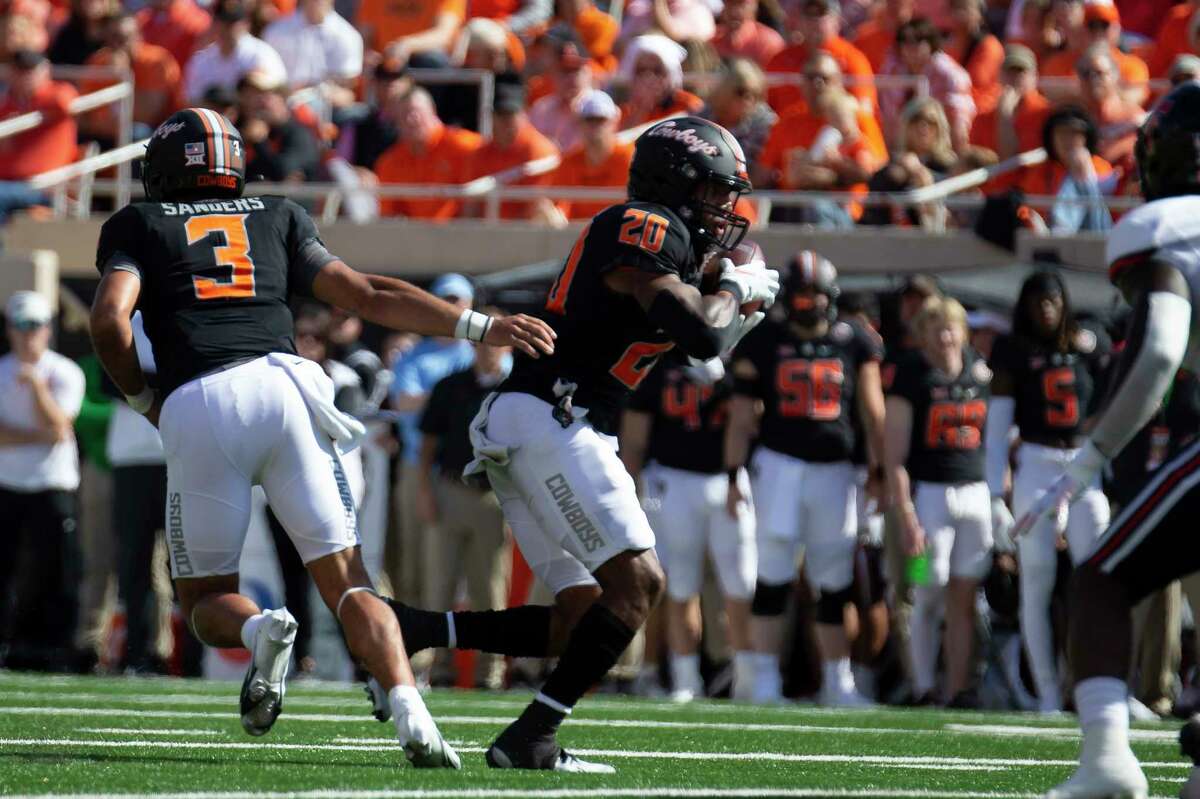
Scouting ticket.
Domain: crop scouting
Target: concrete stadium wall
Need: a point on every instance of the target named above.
(32, 270)
(406, 248)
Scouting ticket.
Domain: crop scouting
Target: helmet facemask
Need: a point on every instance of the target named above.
(712, 213)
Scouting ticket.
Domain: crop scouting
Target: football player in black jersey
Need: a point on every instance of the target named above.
(1045, 380)
(628, 291)
(212, 273)
(812, 375)
(1153, 254)
(936, 411)
(675, 424)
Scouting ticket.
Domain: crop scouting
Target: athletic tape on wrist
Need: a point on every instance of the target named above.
(472, 325)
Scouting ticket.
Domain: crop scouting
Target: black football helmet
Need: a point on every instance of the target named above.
(810, 271)
(196, 153)
(1168, 145)
(682, 163)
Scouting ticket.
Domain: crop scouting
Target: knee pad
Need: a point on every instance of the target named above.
(831, 606)
(770, 600)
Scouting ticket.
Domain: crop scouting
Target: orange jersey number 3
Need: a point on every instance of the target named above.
(234, 253)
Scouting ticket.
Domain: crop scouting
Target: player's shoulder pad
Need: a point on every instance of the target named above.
(1153, 229)
(841, 331)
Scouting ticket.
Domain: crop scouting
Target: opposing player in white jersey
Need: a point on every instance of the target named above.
(1154, 258)
(212, 273)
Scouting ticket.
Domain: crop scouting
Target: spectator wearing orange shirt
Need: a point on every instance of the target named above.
(1117, 119)
(417, 32)
(1015, 124)
(1173, 38)
(52, 143)
(157, 80)
(653, 67)
(1073, 174)
(177, 25)
(824, 150)
(556, 115)
(514, 142)
(978, 51)
(1099, 23)
(599, 160)
(741, 35)
(876, 36)
(428, 151)
(596, 29)
(814, 25)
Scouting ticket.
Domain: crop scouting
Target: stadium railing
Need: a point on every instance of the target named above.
(121, 94)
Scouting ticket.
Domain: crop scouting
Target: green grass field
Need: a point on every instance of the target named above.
(79, 736)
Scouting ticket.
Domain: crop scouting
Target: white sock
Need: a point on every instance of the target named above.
(410, 715)
(744, 665)
(923, 636)
(250, 629)
(1037, 586)
(685, 674)
(837, 675)
(1102, 703)
(768, 665)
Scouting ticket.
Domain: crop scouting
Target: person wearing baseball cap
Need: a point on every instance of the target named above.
(1014, 125)
(52, 143)
(514, 141)
(1098, 21)
(39, 477)
(571, 75)
(599, 159)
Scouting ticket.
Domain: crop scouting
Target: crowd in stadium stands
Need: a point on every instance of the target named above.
(809, 87)
(845, 99)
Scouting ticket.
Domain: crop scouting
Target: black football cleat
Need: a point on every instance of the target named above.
(515, 749)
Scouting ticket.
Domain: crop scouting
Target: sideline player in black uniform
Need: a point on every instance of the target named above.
(676, 422)
(627, 293)
(812, 375)
(936, 411)
(1154, 259)
(1045, 379)
(212, 272)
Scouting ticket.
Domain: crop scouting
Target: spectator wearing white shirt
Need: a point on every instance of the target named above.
(39, 476)
(318, 47)
(234, 53)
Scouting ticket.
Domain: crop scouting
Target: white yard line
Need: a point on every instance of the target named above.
(147, 731)
(1042, 732)
(389, 745)
(561, 793)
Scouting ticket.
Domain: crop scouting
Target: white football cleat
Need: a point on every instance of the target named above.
(682, 696)
(768, 688)
(422, 740)
(263, 687)
(1108, 774)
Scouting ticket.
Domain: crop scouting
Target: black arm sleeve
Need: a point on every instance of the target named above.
(689, 329)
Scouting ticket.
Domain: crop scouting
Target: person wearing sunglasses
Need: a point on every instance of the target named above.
(1097, 24)
(39, 478)
(1117, 117)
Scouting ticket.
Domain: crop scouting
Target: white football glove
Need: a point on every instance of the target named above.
(746, 323)
(1077, 476)
(1002, 523)
(750, 282)
(704, 373)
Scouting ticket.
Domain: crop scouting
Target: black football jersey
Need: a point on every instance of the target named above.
(948, 417)
(688, 431)
(216, 277)
(808, 387)
(1054, 392)
(606, 343)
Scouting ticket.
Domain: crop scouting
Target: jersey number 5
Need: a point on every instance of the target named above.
(1062, 404)
(810, 389)
(234, 253)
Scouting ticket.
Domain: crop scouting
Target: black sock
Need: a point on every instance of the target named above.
(517, 632)
(421, 629)
(595, 645)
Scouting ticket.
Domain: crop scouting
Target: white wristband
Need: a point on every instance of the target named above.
(142, 401)
(472, 325)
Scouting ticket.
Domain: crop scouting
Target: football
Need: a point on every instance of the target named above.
(744, 253)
